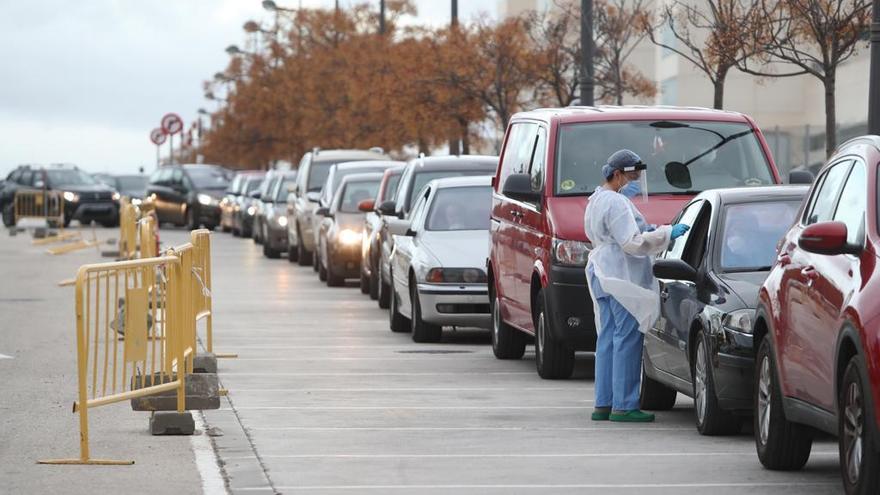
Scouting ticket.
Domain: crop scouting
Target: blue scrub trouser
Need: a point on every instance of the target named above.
(618, 357)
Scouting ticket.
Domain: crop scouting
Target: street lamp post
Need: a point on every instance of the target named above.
(874, 84)
(455, 12)
(587, 52)
(381, 16)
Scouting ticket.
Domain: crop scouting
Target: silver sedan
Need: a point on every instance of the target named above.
(439, 259)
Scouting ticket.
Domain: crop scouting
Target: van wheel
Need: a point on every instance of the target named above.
(422, 331)
(781, 444)
(507, 342)
(859, 460)
(553, 359)
(397, 321)
(711, 419)
(655, 396)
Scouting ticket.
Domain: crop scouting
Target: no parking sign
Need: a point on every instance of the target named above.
(157, 136)
(172, 123)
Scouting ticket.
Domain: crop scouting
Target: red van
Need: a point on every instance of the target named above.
(550, 164)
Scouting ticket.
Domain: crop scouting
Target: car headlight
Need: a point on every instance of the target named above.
(116, 197)
(348, 236)
(251, 210)
(739, 320)
(571, 253)
(136, 201)
(282, 221)
(456, 276)
(205, 199)
(71, 196)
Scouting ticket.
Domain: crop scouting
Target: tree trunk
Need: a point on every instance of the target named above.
(453, 146)
(465, 137)
(830, 112)
(719, 88)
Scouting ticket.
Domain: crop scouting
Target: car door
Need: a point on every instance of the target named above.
(160, 189)
(663, 340)
(404, 247)
(509, 237)
(834, 279)
(529, 230)
(177, 196)
(800, 321)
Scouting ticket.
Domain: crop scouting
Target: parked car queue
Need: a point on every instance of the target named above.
(766, 304)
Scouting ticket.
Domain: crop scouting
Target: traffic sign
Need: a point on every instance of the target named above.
(172, 123)
(157, 136)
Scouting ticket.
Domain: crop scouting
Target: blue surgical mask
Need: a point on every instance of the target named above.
(631, 189)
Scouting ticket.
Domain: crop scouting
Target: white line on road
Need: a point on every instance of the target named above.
(560, 486)
(750, 453)
(465, 428)
(395, 389)
(439, 373)
(445, 357)
(4, 356)
(206, 459)
(393, 408)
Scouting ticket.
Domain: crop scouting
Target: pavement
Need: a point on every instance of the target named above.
(325, 399)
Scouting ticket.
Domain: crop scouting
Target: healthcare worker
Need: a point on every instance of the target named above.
(622, 285)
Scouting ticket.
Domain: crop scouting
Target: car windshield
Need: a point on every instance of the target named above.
(253, 183)
(208, 177)
(751, 232)
(132, 182)
(422, 178)
(460, 208)
(716, 154)
(355, 192)
(391, 187)
(68, 177)
(282, 191)
(341, 173)
(318, 175)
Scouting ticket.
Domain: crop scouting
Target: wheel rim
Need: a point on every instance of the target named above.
(764, 397)
(496, 321)
(540, 339)
(700, 375)
(852, 432)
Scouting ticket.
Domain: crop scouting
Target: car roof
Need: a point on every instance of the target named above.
(287, 174)
(452, 162)
(364, 177)
(748, 194)
(347, 155)
(354, 165)
(472, 180)
(249, 172)
(199, 165)
(576, 114)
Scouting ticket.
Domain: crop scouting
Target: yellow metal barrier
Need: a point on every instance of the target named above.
(128, 217)
(148, 303)
(201, 241)
(40, 205)
(148, 236)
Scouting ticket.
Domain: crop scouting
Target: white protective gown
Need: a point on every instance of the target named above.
(622, 256)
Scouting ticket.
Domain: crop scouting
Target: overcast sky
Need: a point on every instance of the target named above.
(85, 81)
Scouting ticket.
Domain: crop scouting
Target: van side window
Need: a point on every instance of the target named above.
(538, 157)
(518, 150)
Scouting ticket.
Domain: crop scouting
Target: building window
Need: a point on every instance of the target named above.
(669, 91)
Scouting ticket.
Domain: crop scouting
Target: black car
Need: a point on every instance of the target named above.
(709, 279)
(132, 186)
(189, 195)
(85, 199)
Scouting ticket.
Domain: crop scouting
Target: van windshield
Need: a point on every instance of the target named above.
(716, 154)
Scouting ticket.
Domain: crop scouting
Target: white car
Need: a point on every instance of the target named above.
(438, 263)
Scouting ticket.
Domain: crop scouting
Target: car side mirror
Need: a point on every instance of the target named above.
(323, 211)
(410, 232)
(827, 238)
(678, 175)
(387, 208)
(673, 269)
(255, 194)
(398, 227)
(800, 177)
(313, 196)
(366, 205)
(519, 187)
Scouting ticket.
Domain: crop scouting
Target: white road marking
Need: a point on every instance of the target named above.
(393, 408)
(464, 428)
(394, 389)
(4, 356)
(560, 486)
(445, 357)
(750, 453)
(206, 459)
(440, 373)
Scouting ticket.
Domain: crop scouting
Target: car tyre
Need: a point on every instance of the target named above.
(269, 252)
(554, 360)
(397, 321)
(9, 215)
(507, 342)
(384, 298)
(292, 254)
(655, 396)
(859, 459)
(304, 258)
(710, 418)
(422, 331)
(374, 282)
(322, 272)
(333, 280)
(365, 283)
(191, 222)
(781, 444)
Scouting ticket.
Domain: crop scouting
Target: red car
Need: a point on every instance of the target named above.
(550, 164)
(817, 329)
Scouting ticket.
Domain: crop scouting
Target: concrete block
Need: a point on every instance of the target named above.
(172, 423)
(205, 363)
(110, 253)
(41, 233)
(202, 392)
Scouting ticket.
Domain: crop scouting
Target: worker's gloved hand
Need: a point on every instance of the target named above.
(679, 230)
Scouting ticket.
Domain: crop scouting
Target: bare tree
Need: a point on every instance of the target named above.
(713, 36)
(813, 37)
(618, 30)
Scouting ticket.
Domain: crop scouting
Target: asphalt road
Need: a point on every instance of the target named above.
(324, 398)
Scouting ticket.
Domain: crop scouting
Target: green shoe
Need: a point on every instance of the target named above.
(601, 414)
(634, 416)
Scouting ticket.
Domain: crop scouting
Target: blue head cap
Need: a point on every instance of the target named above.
(623, 160)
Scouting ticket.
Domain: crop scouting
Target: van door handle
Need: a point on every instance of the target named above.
(783, 259)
